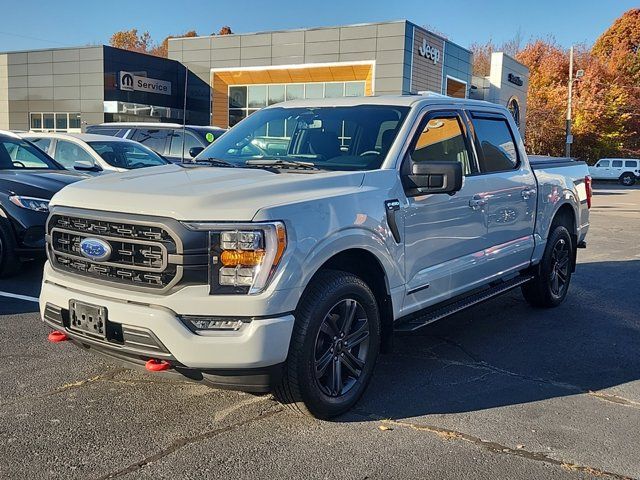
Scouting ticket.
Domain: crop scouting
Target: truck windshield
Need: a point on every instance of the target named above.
(327, 138)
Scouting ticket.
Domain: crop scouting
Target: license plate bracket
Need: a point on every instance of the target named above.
(88, 319)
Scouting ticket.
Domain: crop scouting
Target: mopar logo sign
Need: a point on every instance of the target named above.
(126, 81)
(95, 249)
(131, 82)
(429, 52)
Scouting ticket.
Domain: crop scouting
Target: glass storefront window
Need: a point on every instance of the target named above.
(257, 96)
(74, 120)
(295, 91)
(55, 122)
(235, 115)
(36, 121)
(314, 90)
(61, 121)
(47, 121)
(334, 90)
(276, 94)
(354, 89)
(237, 97)
(247, 99)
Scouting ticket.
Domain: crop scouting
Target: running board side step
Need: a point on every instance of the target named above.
(415, 321)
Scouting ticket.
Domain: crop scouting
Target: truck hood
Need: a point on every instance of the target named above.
(202, 193)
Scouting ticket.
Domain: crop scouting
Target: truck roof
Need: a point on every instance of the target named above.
(390, 100)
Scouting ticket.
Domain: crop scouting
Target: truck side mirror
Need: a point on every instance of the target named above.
(433, 177)
(195, 151)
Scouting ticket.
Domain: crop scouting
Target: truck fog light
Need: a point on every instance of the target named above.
(212, 323)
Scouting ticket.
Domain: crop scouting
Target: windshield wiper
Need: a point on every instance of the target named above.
(279, 163)
(214, 162)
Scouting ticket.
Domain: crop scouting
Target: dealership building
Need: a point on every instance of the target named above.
(229, 77)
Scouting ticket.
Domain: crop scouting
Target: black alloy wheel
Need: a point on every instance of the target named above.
(552, 276)
(628, 179)
(334, 346)
(341, 347)
(559, 275)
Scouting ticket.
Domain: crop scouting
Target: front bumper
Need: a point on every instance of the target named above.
(153, 331)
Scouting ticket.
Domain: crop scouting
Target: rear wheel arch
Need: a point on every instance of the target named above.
(566, 216)
(365, 265)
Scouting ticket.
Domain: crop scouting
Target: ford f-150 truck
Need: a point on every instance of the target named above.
(287, 255)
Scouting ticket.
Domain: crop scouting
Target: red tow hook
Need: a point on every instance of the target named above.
(154, 365)
(57, 336)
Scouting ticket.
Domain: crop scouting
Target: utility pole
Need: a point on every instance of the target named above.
(569, 139)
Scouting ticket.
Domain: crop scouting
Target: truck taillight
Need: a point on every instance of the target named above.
(587, 184)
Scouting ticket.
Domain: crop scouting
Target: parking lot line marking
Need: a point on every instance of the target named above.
(19, 297)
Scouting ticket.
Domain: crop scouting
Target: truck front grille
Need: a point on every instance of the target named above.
(140, 253)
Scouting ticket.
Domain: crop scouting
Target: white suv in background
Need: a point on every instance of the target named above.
(625, 170)
(95, 153)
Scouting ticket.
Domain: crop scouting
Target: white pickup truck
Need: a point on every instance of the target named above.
(285, 258)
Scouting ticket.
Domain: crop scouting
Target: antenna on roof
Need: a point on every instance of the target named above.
(184, 110)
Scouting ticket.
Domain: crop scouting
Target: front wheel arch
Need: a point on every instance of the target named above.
(366, 266)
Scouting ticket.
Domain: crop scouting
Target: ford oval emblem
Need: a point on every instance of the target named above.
(95, 249)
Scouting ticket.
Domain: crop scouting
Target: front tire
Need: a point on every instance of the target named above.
(627, 179)
(334, 346)
(550, 285)
(9, 262)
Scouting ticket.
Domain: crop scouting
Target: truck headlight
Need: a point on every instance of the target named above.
(243, 257)
(30, 203)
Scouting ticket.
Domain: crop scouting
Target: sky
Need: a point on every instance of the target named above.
(31, 25)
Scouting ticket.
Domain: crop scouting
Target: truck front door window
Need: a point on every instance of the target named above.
(442, 139)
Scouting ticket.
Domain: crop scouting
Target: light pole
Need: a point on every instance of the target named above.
(579, 73)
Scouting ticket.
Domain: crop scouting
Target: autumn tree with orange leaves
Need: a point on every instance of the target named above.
(606, 112)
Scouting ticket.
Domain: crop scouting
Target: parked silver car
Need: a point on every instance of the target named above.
(95, 153)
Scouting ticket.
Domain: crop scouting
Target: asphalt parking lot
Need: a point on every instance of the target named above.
(499, 391)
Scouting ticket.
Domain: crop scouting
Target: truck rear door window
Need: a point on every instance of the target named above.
(497, 148)
(616, 163)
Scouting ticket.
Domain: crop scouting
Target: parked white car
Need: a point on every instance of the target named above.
(95, 153)
(625, 170)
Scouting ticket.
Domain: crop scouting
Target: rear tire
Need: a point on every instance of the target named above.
(550, 285)
(9, 261)
(627, 179)
(334, 346)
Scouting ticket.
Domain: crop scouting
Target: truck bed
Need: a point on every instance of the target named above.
(544, 161)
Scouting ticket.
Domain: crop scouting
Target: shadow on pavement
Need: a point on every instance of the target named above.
(26, 282)
(506, 353)
(9, 306)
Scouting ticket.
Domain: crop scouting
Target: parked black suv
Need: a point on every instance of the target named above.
(163, 138)
(28, 180)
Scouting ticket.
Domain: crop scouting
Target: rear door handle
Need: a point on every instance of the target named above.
(527, 193)
(476, 203)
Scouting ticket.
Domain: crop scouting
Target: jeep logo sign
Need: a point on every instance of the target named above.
(429, 52)
(130, 83)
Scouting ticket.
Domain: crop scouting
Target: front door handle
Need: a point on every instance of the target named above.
(477, 202)
(527, 193)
